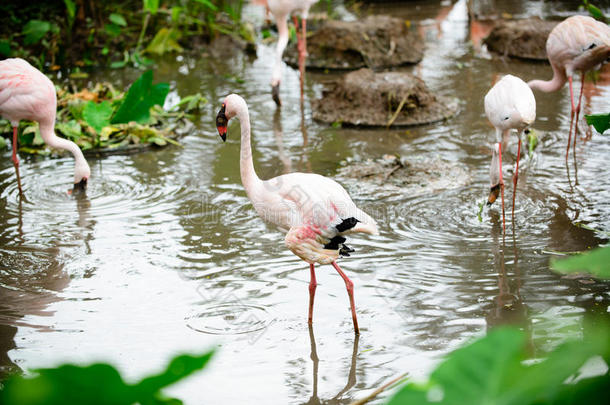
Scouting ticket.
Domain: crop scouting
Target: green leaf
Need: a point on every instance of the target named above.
(34, 30)
(532, 141)
(166, 40)
(118, 19)
(177, 369)
(601, 122)
(71, 9)
(595, 263)
(98, 116)
(151, 6)
(70, 129)
(5, 48)
(3, 143)
(142, 95)
(112, 30)
(208, 4)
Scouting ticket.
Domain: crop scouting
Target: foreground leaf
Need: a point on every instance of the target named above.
(596, 263)
(142, 95)
(601, 122)
(97, 115)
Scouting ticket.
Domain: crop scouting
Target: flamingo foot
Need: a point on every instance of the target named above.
(350, 292)
(312, 292)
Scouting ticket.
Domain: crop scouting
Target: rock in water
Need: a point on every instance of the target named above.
(525, 38)
(366, 98)
(375, 42)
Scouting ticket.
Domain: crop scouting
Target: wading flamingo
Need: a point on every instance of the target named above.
(578, 43)
(315, 211)
(509, 104)
(281, 9)
(27, 94)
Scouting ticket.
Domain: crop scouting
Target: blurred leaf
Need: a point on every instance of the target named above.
(491, 371)
(176, 12)
(208, 4)
(98, 116)
(34, 30)
(112, 29)
(595, 263)
(26, 138)
(3, 143)
(151, 6)
(71, 9)
(532, 141)
(70, 129)
(166, 40)
(142, 95)
(601, 122)
(5, 47)
(118, 19)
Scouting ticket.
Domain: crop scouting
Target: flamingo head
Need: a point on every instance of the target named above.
(82, 172)
(222, 121)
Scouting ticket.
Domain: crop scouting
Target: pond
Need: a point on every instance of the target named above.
(166, 255)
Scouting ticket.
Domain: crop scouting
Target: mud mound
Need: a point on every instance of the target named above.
(391, 175)
(375, 42)
(365, 98)
(525, 38)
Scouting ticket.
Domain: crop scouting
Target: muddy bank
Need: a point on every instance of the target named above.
(366, 98)
(375, 42)
(391, 174)
(523, 38)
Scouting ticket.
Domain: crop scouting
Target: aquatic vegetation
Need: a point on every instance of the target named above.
(107, 120)
(601, 122)
(97, 384)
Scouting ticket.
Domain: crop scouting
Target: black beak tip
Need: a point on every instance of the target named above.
(80, 187)
(223, 137)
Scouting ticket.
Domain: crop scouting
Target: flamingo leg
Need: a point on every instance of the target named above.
(571, 117)
(350, 291)
(501, 186)
(582, 86)
(516, 176)
(301, 49)
(312, 292)
(16, 161)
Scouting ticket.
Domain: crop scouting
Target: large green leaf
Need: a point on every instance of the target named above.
(34, 30)
(491, 371)
(601, 122)
(142, 95)
(166, 40)
(98, 115)
(98, 384)
(595, 262)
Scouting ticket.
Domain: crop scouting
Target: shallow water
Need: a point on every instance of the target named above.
(165, 254)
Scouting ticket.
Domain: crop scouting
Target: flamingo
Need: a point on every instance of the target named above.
(315, 211)
(281, 9)
(509, 104)
(26, 93)
(579, 43)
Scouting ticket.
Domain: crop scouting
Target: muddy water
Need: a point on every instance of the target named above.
(166, 255)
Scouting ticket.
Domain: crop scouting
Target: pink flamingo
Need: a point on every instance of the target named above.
(509, 104)
(281, 9)
(315, 210)
(26, 93)
(578, 43)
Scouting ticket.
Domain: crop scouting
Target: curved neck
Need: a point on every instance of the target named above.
(282, 41)
(48, 136)
(246, 166)
(557, 82)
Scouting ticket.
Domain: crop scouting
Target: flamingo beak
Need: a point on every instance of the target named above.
(80, 187)
(221, 123)
(494, 192)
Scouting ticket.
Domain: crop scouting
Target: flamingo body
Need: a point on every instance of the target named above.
(315, 211)
(577, 44)
(26, 93)
(509, 104)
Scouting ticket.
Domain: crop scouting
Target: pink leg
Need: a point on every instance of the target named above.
(502, 186)
(16, 161)
(582, 86)
(571, 117)
(312, 292)
(516, 176)
(301, 49)
(350, 291)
